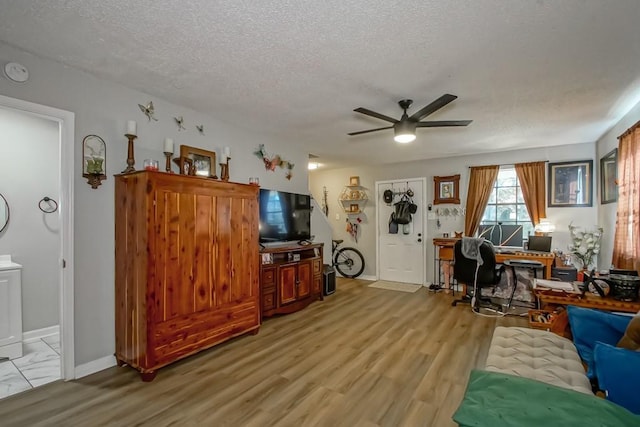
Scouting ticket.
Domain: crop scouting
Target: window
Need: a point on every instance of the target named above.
(275, 216)
(506, 220)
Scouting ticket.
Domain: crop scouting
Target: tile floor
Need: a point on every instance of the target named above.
(40, 364)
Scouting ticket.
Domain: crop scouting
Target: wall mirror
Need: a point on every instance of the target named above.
(4, 213)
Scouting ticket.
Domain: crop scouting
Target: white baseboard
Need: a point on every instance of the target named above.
(94, 366)
(36, 334)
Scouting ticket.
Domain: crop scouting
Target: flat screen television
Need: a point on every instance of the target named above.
(284, 216)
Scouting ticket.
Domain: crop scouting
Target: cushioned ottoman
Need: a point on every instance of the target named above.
(498, 400)
(538, 355)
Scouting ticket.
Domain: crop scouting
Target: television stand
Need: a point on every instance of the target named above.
(291, 278)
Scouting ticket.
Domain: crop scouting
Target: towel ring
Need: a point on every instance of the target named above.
(50, 207)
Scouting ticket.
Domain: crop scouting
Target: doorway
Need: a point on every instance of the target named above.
(61, 222)
(401, 256)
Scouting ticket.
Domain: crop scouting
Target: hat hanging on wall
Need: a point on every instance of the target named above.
(387, 196)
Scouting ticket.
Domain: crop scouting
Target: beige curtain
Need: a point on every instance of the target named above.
(481, 182)
(626, 243)
(531, 177)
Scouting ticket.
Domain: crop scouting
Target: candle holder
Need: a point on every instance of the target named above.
(224, 170)
(130, 159)
(167, 166)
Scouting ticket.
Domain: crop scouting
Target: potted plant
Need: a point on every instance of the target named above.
(585, 245)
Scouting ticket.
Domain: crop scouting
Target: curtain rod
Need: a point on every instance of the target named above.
(507, 164)
(631, 129)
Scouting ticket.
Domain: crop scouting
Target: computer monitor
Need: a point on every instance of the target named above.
(540, 243)
(502, 234)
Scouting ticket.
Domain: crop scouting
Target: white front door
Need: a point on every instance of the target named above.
(401, 256)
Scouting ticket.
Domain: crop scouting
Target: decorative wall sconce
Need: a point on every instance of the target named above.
(131, 135)
(94, 155)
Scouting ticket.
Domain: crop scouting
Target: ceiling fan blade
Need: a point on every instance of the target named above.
(436, 124)
(374, 114)
(435, 105)
(370, 130)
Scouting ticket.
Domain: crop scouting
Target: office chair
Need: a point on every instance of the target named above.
(464, 271)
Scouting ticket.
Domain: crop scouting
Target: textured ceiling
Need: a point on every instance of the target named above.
(528, 73)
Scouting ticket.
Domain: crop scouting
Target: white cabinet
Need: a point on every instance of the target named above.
(10, 308)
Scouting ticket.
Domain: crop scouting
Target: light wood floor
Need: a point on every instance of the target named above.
(363, 357)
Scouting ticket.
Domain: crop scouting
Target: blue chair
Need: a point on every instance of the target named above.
(614, 370)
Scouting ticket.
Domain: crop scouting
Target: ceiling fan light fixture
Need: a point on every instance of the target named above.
(405, 132)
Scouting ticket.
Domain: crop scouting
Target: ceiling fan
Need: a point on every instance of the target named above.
(405, 128)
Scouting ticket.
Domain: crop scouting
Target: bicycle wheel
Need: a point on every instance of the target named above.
(349, 262)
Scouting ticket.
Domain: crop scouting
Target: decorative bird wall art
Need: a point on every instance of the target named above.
(180, 123)
(148, 110)
(272, 162)
(200, 129)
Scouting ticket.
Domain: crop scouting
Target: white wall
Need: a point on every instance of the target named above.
(607, 213)
(29, 171)
(103, 108)
(321, 230)
(335, 180)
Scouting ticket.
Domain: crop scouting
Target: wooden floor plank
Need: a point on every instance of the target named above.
(362, 357)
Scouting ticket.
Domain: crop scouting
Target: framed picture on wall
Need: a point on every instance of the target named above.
(609, 177)
(447, 189)
(570, 184)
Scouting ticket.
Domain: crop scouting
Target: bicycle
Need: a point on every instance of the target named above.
(347, 260)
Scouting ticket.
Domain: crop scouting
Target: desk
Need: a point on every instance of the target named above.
(443, 252)
(587, 300)
(544, 258)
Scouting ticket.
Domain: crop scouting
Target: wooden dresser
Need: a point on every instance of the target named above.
(187, 266)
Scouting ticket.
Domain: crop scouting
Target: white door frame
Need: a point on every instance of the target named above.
(66, 121)
(424, 222)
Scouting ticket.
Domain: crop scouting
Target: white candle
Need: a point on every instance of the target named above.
(168, 145)
(131, 127)
(226, 153)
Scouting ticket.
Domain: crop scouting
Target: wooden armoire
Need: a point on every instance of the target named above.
(187, 266)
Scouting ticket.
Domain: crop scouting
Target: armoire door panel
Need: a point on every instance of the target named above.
(251, 258)
(237, 277)
(169, 273)
(223, 252)
(203, 259)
